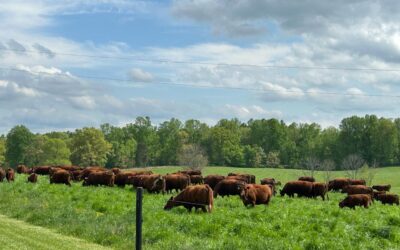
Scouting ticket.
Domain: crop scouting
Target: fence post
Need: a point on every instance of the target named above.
(139, 218)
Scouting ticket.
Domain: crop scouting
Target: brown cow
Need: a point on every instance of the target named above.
(239, 178)
(228, 187)
(266, 181)
(22, 169)
(189, 172)
(319, 189)
(105, 178)
(198, 196)
(358, 189)
(68, 168)
(338, 184)
(10, 174)
(251, 179)
(196, 179)
(388, 198)
(134, 180)
(86, 171)
(357, 182)
(354, 200)
(213, 179)
(116, 170)
(2, 174)
(376, 193)
(307, 178)
(382, 187)
(255, 194)
(61, 176)
(42, 170)
(154, 183)
(32, 178)
(121, 179)
(176, 182)
(76, 175)
(301, 188)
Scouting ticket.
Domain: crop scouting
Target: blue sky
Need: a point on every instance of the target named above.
(139, 42)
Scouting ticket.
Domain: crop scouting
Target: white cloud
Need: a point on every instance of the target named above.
(140, 75)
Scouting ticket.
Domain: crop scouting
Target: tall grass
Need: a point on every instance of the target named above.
(106, 216)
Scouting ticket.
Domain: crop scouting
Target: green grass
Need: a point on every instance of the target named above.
(107, 216)
(19, 235)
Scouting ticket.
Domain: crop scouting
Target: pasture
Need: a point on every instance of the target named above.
(106, 216)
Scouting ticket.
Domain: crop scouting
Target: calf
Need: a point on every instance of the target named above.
(228, 187)
(255, 194)
(388, 198)
(198, 196)
(105, 178)
(10, 174)
(354, 200)
(382, 187)
(212, 180)
(61, 176)
(301, 188)
(32, 178)
(307, 178)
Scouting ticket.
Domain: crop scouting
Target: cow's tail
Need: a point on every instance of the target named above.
(210, 198)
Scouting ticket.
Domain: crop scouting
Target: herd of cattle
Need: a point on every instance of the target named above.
(199, 192)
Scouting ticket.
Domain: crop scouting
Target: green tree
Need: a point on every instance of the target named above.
(254, 156)
(88, 147)
(56, 152)
(35, 154)
(18, 139)
(171, 140)
(2, 150)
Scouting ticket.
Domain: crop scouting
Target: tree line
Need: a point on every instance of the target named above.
(256, 143)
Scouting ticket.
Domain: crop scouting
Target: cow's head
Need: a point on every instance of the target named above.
(170, 204)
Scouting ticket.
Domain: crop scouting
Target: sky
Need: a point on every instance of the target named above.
(69, 64)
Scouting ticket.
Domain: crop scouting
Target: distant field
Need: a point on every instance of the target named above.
(106, 216)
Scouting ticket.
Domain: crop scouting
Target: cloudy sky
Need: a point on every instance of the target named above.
(67, 64)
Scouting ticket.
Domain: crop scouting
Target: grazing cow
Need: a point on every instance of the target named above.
(376, 193)
(86, 171)
(358, 189)
(61, 176)
(357, 182)
(307, 178)
(10, 174)
(267, 181)
(319, 189)
(189, 172)
(354, 200)
(255, 194)
(121, 179)
(228, 187)
(301, 188)
(32, 178)
(338, 184)
(196, 179)
(76, 175)
(42, 170)
(198, 196)
(154, 183)
(176, 181)
(105, 178)
(22, 169)
(388, 198)
(382, 187)
(213, 179)
(2, 174)
(251, 179)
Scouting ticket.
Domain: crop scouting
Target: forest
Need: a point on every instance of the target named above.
(230, 142)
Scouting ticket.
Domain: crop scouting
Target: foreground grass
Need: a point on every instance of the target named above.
(19, 235)
(106, 216)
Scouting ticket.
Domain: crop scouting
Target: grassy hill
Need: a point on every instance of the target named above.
(19, 235)
(106, 216)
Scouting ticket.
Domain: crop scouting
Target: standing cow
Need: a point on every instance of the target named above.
(255, 194)
(354, 200)
(228, 187)
(176, 182)
(10, 174)
(212, 180)
(301, 188)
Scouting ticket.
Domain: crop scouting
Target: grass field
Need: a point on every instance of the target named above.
(106, 216)
(19, 235)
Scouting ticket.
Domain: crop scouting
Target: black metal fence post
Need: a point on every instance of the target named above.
(139, 218)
